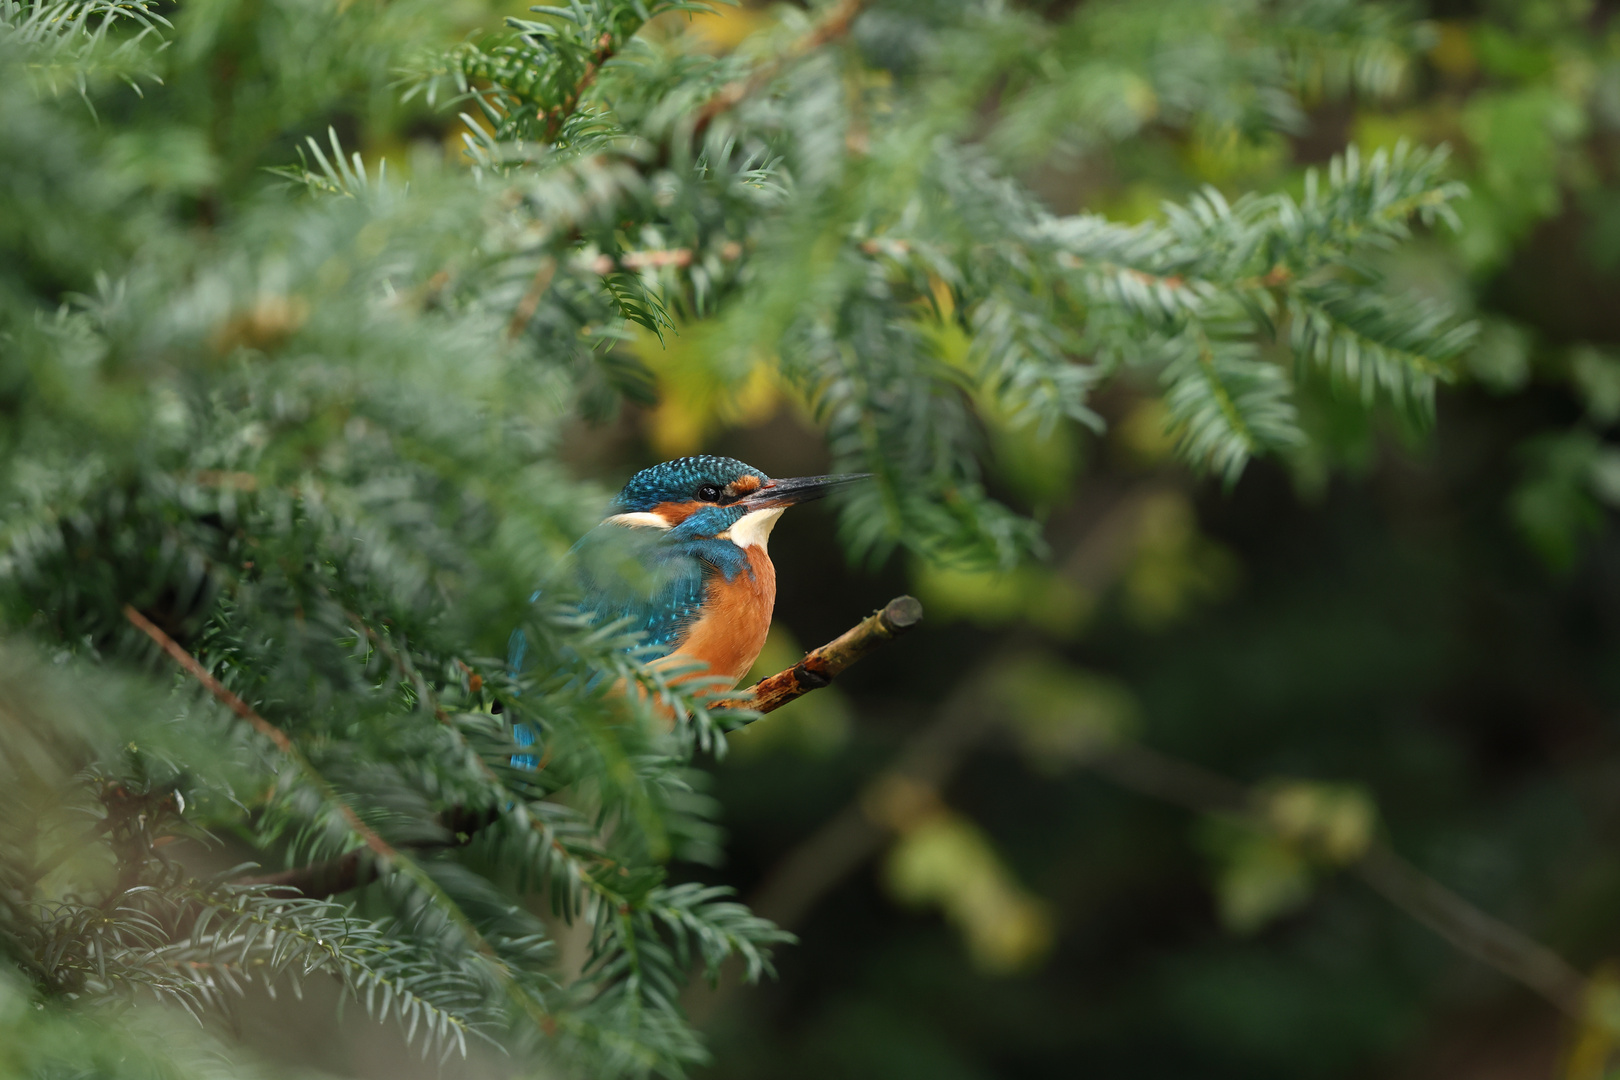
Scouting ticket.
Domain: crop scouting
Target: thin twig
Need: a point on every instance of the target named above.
(530, 303)
(821, 666)
(1474, 933)
(377, 844)
(833, 27)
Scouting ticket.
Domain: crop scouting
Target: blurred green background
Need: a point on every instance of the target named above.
(995, 838)
(1431, 620)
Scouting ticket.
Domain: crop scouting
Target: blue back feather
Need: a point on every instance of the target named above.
(662, 593)
(655, 577)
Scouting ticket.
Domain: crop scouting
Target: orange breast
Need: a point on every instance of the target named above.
(736, 618)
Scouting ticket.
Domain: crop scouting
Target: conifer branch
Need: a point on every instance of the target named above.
(330, 877)
(380, 847)
(348, 870)
(556, 116)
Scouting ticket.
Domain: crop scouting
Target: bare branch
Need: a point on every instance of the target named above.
(1474, 933)
(821, 666)
(859, 832)
(323, 879)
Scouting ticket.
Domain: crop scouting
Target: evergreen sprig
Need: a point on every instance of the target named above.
(68, 42)
(310, 433)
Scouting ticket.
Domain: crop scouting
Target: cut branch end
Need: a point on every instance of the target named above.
(821, 666)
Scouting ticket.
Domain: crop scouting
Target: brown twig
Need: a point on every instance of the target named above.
(833, 27)
(380, 847)
(530, 303)
(821, 666)
(556, 116)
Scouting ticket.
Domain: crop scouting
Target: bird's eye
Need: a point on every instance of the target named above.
(708, 493)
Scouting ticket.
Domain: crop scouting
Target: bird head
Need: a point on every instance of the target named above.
(707, 497)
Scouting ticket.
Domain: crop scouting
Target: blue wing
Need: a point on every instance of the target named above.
(656, 578)
(645, 575)
(636, 573)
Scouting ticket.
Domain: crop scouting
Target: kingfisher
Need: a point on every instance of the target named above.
(683, 554)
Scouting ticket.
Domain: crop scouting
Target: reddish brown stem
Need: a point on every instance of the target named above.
(820, 666)
(264, 727)
(834, 26)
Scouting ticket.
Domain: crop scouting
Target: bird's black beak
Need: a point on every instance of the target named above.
(796, 490)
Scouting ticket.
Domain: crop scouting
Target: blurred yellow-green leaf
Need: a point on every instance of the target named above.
(992, 598)
(1174, 566)
(1061, 713)
(702, 387)
(1258, 876)
(1334, 822)
(947, 862)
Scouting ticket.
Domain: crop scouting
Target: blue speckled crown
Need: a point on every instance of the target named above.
(678, 481)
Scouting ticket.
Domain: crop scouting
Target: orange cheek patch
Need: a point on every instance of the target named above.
(675, 513)
(744, 484)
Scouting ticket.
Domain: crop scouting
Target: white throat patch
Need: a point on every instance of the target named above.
(753, 529)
